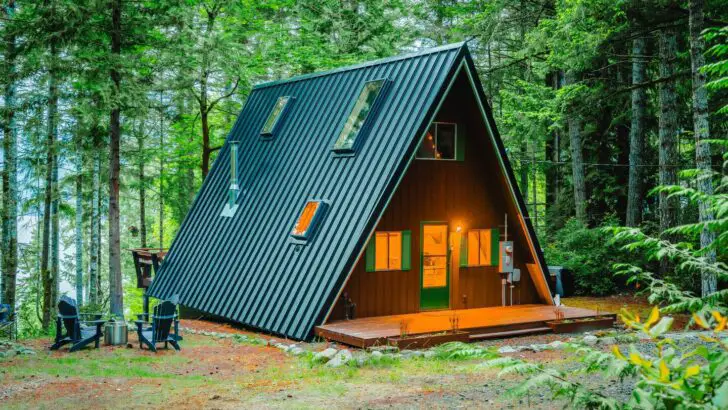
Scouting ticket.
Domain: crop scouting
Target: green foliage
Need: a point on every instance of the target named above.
(462, 351)
(673, 377)
(583, 251)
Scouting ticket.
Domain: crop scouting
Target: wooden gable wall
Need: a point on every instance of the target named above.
(472, 193)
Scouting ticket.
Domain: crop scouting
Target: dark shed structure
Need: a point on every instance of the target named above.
(277, 239)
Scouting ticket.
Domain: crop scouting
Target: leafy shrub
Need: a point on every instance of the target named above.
(587, 255)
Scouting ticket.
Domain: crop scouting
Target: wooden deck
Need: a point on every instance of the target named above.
(481, 323)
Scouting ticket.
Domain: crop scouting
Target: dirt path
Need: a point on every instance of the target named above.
(222, 373)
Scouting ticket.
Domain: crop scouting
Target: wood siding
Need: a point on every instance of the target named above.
(473, 194)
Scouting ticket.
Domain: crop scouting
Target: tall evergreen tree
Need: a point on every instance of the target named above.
(701, 130)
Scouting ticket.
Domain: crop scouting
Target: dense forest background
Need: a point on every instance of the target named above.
(113, 111)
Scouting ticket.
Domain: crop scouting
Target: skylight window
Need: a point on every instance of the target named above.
(276, 115)
(308, 220)
(354, 126)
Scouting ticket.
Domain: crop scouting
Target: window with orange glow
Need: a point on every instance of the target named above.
(388, 246)
(479, 247)
(306, 220)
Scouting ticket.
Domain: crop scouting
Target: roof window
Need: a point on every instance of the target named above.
(276, 116)
(308, 220)
(354, 127)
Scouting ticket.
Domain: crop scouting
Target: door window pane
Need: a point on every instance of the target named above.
(434, 260)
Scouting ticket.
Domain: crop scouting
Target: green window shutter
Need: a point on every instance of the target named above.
(406, 250)
(495, 246)
(371, 254)
(464, 249)
(460, 145)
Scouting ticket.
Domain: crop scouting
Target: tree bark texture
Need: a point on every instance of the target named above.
(668, 134)
(9, 247)
(51, 157)
(636, 133)
(577, 158)
(142, 193)
(116, 291)
(79, 220)
(701, 130)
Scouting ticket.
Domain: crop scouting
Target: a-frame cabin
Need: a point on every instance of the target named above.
(348, 202)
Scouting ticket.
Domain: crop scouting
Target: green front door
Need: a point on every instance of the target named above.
(434, 266)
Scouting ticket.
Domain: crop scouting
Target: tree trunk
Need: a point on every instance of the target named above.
(553, 155)
(206, 151)
(55, 222)
(636, 133)
(668, 132)
(94, 283)
(142, 192)
(79, 220)
(523, 171)
(9, 247)
(701, 129)
(161, 169)
(577, 158)
(116, 291)
(51, 136)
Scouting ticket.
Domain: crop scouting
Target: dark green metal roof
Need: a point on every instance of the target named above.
(246, 268)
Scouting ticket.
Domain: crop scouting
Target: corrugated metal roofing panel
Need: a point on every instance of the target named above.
(245, 268)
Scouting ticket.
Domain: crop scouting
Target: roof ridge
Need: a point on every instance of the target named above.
(364, 64)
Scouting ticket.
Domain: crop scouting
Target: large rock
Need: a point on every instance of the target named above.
(556, 344)
(296, 351)
(340, 359)
(383, 349)
(609, 340)
(325, 355)
(591, 340)
(507, 349)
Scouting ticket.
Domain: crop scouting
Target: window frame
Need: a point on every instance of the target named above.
(366, 123)
(454, 146)
(278, 119)
(389, 234)
(313, 226)
(489, 259)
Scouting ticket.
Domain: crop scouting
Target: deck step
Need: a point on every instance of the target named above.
(509, 333)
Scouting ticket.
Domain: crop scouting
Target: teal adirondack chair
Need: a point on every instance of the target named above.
(164, 316)
(7, 322)
(79, 333)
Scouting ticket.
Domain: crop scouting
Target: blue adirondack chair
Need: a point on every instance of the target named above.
(79, 333)
(7, 322)
(165, 314)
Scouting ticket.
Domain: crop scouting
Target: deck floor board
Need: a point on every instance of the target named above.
(375, 330)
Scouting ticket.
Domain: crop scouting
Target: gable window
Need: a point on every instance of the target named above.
(354, 125)
(389, 251)
(275, 116)
(441, 143)
(308, 220)
(479, 248)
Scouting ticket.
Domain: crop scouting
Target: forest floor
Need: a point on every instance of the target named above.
(212, 372)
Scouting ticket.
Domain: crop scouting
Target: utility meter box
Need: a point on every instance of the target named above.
(506, 257)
